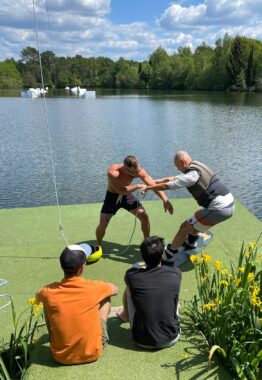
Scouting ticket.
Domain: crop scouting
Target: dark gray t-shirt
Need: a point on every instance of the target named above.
(155, 293)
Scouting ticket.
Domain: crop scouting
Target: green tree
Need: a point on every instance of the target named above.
(29, 55)
(105, 72)
(220, 78)
(61, 72)
(29, 67)
(48, 58)
(184, 52)
(250, 72)
(182, 64)
(62, 79)
(161, 69)
(237, 64)
(48, 65)
(126, 74)
(74, 80)
(145, 72)
(258, 65)
(10, 77)
(203, 67)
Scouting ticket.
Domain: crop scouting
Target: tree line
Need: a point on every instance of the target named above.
(233, 64)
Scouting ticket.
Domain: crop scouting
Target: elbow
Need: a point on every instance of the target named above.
(114, 290)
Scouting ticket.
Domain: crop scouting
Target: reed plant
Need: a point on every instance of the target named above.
(228, 310)
(15, 354)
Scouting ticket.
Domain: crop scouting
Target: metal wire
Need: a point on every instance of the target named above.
(4, 282)
(48, 131)
(134, 228)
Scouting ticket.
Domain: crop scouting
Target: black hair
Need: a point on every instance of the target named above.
(72, 260)
(152, 249)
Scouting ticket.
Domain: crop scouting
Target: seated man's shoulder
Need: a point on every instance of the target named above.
(53, 285)
(47, 289)
(174, 270)
(131, 271)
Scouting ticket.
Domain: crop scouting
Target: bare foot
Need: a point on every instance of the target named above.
(122, 315)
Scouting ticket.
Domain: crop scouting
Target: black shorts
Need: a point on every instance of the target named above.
(113, 202)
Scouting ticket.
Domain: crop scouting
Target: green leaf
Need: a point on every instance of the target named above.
(250, 373)
(4, 370)
(237, 366)
(241, 256)
(213, 350)
(255, 362)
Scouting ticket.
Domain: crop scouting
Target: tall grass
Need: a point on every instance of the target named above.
(228, 310)
(15, 354)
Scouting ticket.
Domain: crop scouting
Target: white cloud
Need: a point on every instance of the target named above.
(212, 13)
(20, 13)
(83, 27)
(90, 7)
(176, 17)
(211, 19)
(247, 31)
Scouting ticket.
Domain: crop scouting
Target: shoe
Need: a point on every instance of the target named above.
(191, 241)
(168, 255)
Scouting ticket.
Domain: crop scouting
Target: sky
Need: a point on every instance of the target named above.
(131, 29)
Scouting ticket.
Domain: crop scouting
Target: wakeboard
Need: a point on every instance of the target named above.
(184, 253)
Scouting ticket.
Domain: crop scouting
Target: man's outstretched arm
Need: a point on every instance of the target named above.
(148, 180)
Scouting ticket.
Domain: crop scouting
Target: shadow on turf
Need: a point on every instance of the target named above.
(41, 353)
(195, 355)
(195, 351)
(116, 252)
(120, 336)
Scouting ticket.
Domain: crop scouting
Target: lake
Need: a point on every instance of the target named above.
(223, 130)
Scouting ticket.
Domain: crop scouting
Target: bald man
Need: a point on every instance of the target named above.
(210, 193)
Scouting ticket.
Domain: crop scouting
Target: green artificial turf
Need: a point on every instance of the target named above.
(30, 246)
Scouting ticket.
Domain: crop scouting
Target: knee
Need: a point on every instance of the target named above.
(104, 310)
(185, 227)
(143, 217)
(105, 302)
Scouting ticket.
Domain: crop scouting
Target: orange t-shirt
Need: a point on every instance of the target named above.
(72, 306)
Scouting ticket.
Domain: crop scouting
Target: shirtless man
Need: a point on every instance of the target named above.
(119, 195)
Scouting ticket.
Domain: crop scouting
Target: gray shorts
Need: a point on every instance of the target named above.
(203, 219)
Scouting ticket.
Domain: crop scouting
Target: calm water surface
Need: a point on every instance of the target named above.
(88, 135)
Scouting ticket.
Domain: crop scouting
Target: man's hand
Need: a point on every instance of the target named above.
(168, 207)
(140, 186)
(144, 189)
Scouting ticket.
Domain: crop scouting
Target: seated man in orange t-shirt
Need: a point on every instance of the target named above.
(76, 311)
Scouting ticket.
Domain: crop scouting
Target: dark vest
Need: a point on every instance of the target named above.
(208, 186)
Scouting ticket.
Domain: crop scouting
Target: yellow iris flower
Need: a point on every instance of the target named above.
(218, 265)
